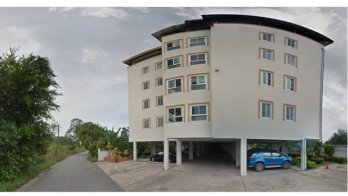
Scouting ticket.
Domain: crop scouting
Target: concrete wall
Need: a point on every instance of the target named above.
(340, 151)
(236, 89)
(102, 154)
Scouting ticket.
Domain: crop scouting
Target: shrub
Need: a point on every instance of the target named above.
(311, 165)
(339, 160)
(318, 160)
(296, 161)
(329, 150)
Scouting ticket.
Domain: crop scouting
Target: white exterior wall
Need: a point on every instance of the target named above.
(236, 89)
(187, 128)
(137, 95)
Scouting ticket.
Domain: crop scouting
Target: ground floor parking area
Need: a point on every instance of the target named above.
(202, 174)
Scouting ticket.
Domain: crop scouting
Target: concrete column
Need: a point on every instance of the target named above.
(153, 148)
(304, 154)
(285, 148)
(198, 150)
(243, 156)
(190, 151)
(165, 154)
(178, 152)
(238, 153)
(134, 151)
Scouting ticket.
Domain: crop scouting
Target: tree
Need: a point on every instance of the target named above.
(317, 148)
(71, 131)
(27, 97)
(89, 133)
(339, 138)
(329, 150)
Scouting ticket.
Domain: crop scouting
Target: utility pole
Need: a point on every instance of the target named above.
(57, 140)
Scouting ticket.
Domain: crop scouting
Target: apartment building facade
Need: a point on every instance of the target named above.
(230, 79)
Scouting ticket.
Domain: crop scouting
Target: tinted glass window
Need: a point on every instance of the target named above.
(275, 154)
(266, 154)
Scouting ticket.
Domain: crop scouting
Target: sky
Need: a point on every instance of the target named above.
(86, 47)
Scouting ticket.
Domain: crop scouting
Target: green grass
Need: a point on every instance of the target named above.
(43, 163)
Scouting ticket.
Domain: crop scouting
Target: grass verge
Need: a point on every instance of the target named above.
(42, 163)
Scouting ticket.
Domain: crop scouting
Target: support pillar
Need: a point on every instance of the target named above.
(238, 153)
(178, 152)
(304, 154)
(190, 151)
(243, 156)
(198, 150)
(134, 151)
(285, 148)
(153, 148)
(165, 154)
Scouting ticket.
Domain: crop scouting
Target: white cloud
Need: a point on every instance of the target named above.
(105, 12)
(18, 37)
(92, 55)
(61, 9)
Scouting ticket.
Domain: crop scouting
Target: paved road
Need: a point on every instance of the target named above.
(75, 173)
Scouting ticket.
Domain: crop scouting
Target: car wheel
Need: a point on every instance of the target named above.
(259, 167)
(286, 165)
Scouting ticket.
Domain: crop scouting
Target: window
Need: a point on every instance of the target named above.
(197, 41)
(275, 154)
(145, 70)
(266, 154)
(159, 121)
(173, 63)
(199, 112)
(146, 85)
(159, 101)
(266, 78)
(173, 45)
(267, 54)
(291, 59)
(198, 82)
(175, 114)
(159, 81)
(174, 86)
(158, 66)
(289, 112)
(146, 103)
(266, 109)
(267, 37)
(146, 123)
(197, 59)
(289, 83)
(291, 42)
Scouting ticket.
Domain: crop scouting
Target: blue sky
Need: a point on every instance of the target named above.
(86, 47)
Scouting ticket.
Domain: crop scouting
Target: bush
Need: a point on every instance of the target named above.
(329, 150)
(317, 160)
(311, 165)
(339, 160)
(296, 161)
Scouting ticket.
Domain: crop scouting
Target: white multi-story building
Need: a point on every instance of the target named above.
(228, 79)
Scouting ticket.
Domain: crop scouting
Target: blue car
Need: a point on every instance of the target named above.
(259, 159)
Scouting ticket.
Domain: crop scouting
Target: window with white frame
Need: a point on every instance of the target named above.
(266, 78)
(145, 70)
(160, 121)
(198, 82)
(159, 101)
(267, 37)
(197, 41)
(146, 85)
(291, 59)
(158, 66)
(173, 63)
(175, 114)
(159, 81)
(173, 45)
(199, 112)
(291, 42)
(266, 109)
(267, 54)
(146, 103)
(174, 85)
(290, 83)
(290, 112)
(198, 59)
(146, 123)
